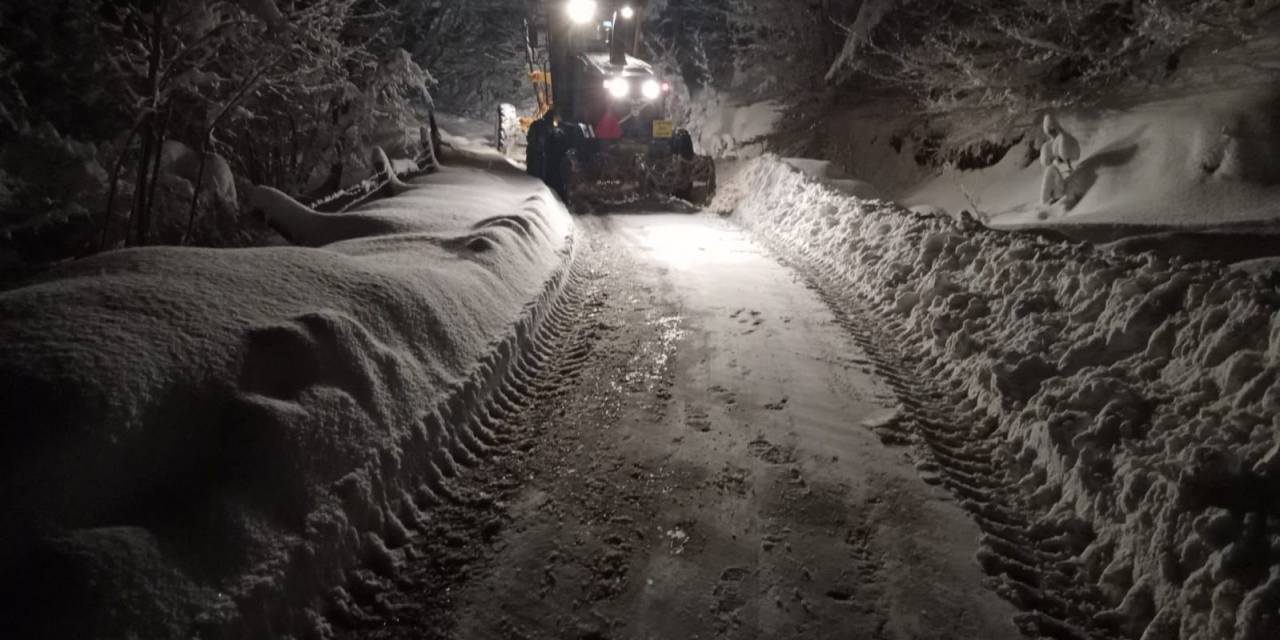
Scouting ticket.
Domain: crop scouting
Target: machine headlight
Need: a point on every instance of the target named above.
(582, 11)
(627, 13)
(618, 87)
(651, 89)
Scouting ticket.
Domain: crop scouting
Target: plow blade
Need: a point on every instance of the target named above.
(611, 179)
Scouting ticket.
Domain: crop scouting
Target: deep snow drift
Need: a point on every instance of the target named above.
(465, 133)
(1134, 400)
(1193, 160)
(723, 126)
(1186, 159)
(206, 442)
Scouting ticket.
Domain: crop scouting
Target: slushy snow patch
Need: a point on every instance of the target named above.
(222, 442)
(1134, 401)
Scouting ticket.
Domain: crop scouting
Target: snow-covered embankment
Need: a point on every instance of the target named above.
(227, 442)
(1133, 401)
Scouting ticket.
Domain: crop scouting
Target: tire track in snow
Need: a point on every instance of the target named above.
(414, 602)
(1029, 566)
(627, 505)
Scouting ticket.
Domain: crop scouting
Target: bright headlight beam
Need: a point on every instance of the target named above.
(618, 87)
(582, 11)
(628, 13)
(651, 89)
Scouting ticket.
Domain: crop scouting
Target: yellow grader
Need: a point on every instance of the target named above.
(602, 133)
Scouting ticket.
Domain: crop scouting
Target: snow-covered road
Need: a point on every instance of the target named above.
(704, 470)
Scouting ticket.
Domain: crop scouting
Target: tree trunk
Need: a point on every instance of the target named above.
(195, 190)
(135, 233)
(115, 183)
(161, 133)
(150, 158)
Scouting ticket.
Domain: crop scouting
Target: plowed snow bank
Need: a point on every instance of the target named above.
(1136, 399)
(204, 442)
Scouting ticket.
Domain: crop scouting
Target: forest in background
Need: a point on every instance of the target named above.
(999, 65)
(135, 122)
(948, 54)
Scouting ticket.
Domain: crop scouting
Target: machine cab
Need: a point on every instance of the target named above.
(602, 84)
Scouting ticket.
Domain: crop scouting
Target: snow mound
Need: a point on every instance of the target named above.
(831, 175)
(206, 442)
(1236, 244)
(1132, 402)
(460, 128)
(1197, 160)
(210, 170)
(1259, 266)
(471, 143)
(722, 127)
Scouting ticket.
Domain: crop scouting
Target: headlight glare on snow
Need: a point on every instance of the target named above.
(582, 11)
(618, 87)
(651, 89)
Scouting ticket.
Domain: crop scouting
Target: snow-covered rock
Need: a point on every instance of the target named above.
(223, 436)
(1135, 395)
(213, 172)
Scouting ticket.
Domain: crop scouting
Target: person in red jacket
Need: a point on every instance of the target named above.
(609, 127)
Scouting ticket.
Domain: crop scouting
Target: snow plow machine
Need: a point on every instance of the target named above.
(602, 134)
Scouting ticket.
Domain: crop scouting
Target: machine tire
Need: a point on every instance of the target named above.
(685, 190)
(570, 173)
(574, 138)
(535, 153)
(682, 144)
(561, 142)
(702, 181)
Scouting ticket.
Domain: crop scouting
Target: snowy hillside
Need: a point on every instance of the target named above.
(1118, 414)
(211, 441)
(1190, 161)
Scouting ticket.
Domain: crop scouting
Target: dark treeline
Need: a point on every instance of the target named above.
(132, 122)
(129, 122)
(948, 54)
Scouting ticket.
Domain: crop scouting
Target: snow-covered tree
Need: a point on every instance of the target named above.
(53, 135)
(290, 94)
(759, 46)
(482, 45)
(693, 37)
(1058, 156)
(1022, 56)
